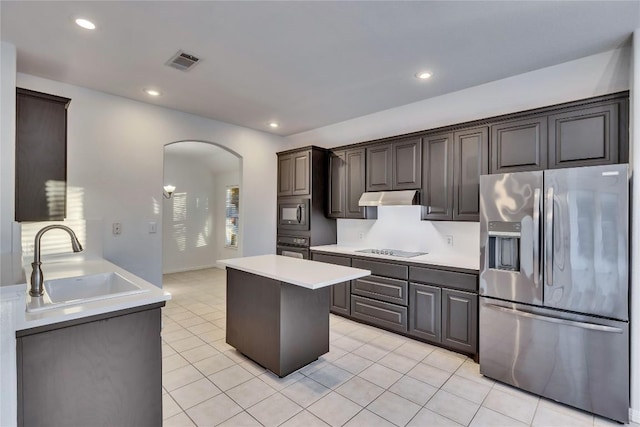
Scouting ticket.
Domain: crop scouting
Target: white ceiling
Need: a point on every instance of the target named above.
(304, 64)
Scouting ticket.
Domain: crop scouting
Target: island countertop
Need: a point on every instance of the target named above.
(300, 272)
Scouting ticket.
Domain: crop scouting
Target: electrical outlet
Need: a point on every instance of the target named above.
(361, 236)
(449, 240)
(116, 228)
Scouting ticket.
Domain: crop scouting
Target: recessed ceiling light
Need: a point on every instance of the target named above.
(274, 125)
(152, 92)
(86, 24)
(423, 75)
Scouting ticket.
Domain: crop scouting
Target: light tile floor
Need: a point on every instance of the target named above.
(369, 378)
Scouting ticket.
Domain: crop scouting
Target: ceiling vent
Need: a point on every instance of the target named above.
(183, 61)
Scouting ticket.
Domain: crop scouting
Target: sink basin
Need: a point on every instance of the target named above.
(82, 289)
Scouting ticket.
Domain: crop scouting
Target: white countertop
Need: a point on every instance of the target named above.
(301, 272)
(73, 265)
(445, 259)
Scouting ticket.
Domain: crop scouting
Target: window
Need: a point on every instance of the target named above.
(232, 207)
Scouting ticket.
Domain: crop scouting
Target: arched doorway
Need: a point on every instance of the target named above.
(202, 222)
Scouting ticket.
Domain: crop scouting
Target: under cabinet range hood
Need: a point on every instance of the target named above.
(390, 198)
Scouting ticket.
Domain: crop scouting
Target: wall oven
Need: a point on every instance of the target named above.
(293, 214)
(293, 246)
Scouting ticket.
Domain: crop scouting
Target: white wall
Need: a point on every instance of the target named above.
(7, 141)
(591, 76)
(634, 160)
(221, 182)
(115, 153)
(189, 239)
(196, 239)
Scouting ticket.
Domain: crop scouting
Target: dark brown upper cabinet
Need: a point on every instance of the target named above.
(583, 133)
(355, 184)
(437, 176)
(471, 149)
(41, 156)
(519, 145)
(337, 184)
(407, 164)
(294, 174)
(379, 168)
(446, 163)
(347, 183)
(586, 136)
(395, 165)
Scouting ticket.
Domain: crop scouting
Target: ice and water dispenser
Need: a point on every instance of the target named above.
(504, 245)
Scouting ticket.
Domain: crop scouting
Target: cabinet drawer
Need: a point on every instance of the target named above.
(447, 279)
(383, 269)
(384, 314)
(332, 259)
(382, 288)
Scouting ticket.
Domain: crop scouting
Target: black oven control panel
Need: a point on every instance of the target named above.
(302, 242)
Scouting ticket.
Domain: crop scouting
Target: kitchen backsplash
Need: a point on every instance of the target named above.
(400, 227)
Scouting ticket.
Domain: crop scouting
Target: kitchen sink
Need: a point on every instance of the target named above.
(82, 289)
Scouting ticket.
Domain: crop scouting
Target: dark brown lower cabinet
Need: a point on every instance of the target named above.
(340, 292)
(460, 320)
(102, 370)
(341, 298)
(424, 311)
(434, 305)
(444, 316)
(378, 313)
(381, 288)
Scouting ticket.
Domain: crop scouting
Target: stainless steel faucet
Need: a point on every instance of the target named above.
(36, 274)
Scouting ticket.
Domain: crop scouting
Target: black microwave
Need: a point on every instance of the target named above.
(293, 214)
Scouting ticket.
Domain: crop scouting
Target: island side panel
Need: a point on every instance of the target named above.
(253, 317)
(304, 326)
(105, 372)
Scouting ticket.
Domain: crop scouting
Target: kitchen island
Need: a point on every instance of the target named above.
(278, 308)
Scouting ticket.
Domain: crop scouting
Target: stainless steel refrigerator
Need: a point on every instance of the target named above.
(554, 285)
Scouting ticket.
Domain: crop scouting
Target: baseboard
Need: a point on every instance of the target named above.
(193, 268)
(634, 415)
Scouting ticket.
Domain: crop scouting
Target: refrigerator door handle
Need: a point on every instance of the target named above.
(548, 241)
(536, 237)
(582, 325)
